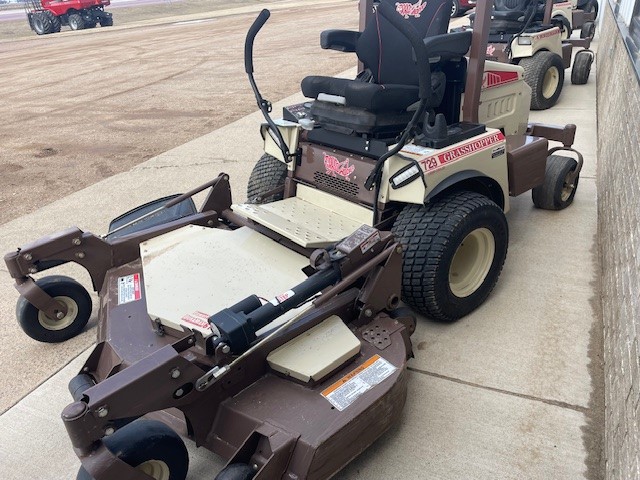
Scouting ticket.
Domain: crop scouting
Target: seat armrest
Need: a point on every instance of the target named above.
(340, 40)
(448, 45)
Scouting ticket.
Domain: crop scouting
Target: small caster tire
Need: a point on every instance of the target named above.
(44, 329)
(588, 30)
(556, 192)
(149, 446)
(581, 68)
(236, 471)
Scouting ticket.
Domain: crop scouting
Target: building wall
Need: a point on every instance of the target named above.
(619, 245)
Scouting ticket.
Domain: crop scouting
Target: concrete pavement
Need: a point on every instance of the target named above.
(512, 391)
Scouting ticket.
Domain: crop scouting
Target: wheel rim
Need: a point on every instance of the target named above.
(62, 323)
(156, 469)
(567, 188)
(550, 82)
(471, 262)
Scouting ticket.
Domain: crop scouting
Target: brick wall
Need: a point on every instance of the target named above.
(619, 245)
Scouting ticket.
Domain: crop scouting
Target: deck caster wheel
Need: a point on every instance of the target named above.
(544, 73)
(557, 191)
(588, 30)
(236, 471)
(581, 67)
(151, 447)
(76, 22)
(454, 250)
(44, 329)
(268, 174)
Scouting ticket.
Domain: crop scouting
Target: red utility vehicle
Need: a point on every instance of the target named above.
(48, 16)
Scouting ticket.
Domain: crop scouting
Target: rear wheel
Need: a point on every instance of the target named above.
(557, 191)
(55, 21)
(581, 67)
(149, 446)
(76, 22)
(588, 30)
(565, 26)
(544, 73)
(268, 174)
(41, 23)
(454, 250)
(591, 6)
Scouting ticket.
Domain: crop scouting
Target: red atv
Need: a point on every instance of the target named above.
(48, 16)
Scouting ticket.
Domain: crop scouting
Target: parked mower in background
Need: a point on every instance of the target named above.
(523, 33)
(48, 16)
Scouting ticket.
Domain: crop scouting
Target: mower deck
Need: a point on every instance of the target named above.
(192, 272)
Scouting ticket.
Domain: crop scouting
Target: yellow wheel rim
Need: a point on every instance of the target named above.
(471, 262)
(550, 82)
(155, 468)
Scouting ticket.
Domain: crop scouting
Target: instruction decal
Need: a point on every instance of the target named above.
(129, 289)
(347, 390)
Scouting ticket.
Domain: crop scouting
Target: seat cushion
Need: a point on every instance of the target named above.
(370, 96)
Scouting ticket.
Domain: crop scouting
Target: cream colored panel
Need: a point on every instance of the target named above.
(312, 219)
(290, 132)
(317, 352)
(193, 272)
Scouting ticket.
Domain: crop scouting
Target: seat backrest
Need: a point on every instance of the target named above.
(511, 5)
(387, 52)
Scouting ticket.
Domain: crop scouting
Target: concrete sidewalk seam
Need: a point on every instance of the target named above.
(160, 167)
(546, 401)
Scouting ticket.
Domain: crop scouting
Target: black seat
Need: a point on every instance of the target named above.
(511, 16)
(390, 82)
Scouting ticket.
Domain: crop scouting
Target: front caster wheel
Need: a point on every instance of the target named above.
(236, 471)
(454, 250)
(151, 447)
(557, 190)
(53, 330)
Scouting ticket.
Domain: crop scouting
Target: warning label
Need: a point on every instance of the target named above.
(346, 390)
(198, 319)
(129, 289)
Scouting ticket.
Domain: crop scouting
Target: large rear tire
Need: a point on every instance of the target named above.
(565, 26)
(454, 250)
(56, 24)
(556, 192)
(149, 446)
(544, 73)
(268, 174)
(76, 21)
(42, 23)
